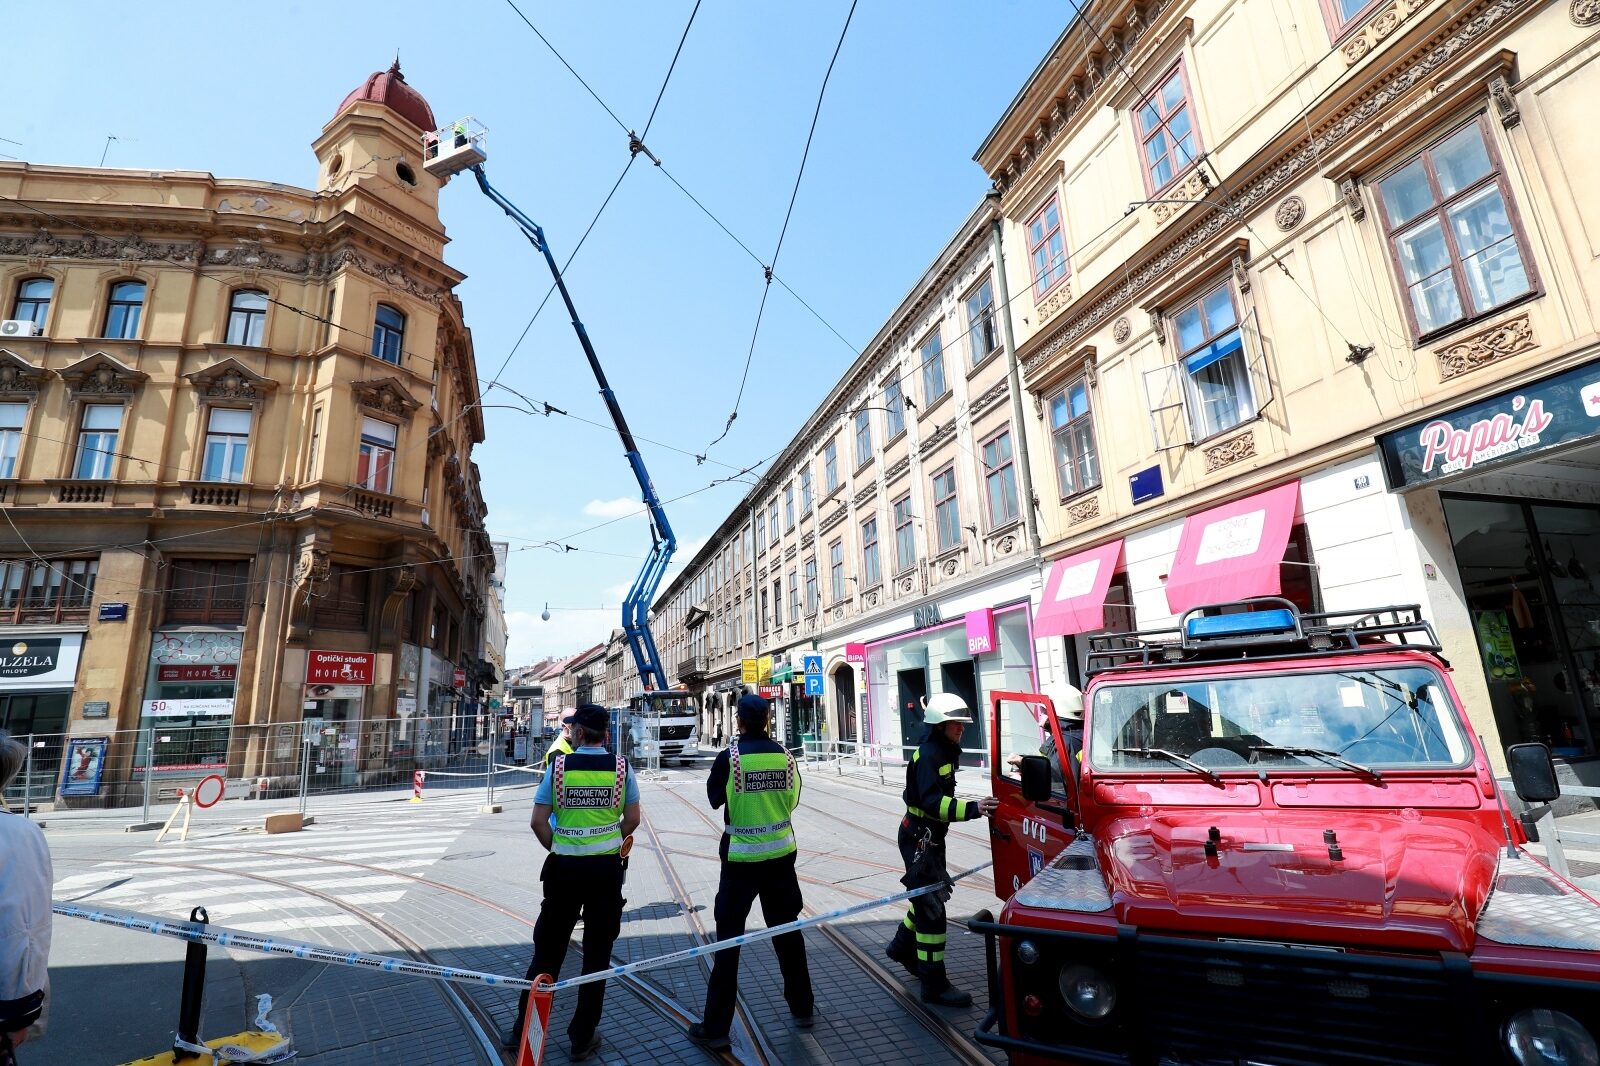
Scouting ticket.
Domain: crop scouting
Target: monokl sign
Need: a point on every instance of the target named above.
(339, 667)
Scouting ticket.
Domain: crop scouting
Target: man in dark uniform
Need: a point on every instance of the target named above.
(562, 745)
(756, 779)
(586, 805)
(1068, 702)
(931, 806)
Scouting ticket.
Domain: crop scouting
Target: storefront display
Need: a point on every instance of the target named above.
(188, 702)
(37, 672)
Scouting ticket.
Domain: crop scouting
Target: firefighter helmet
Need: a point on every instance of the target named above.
(944, 707)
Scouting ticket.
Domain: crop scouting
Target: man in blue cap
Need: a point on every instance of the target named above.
(756, 779)
(586, 805)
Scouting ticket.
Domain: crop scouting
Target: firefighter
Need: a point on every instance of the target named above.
(756, 779)
(1068, 702)
(562, 745)
(931, 806)
(586, 805)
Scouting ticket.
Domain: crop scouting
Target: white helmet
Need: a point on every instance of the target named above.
(1068, 700)
(944, 707)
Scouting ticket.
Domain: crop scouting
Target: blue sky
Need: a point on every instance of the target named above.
(670, 300)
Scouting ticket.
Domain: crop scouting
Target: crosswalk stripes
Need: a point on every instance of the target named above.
(352, 855)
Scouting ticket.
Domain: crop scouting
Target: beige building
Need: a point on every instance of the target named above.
(236, 433)
(1306, 303)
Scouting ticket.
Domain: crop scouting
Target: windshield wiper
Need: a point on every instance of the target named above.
(1319, 753)
(1182, 760)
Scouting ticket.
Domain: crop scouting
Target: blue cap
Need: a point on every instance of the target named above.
(592, 716)
(753, 706)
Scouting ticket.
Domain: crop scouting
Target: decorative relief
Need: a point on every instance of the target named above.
(1083, 510)
(1189, 190)
(1585, 12)
(1460, 37)
(1122, 330)
(1058, 298)
(1006, 544)
(1379, 26)
(101, 375)
(1290, 213)
(905, 583)
(808, 540)
(937, 437)
(42, 245)
(872, 599)
(991, 396)
(950, 567)
(231, 380)
(834, 519)
(866, 494)
(1505, 101)
(838, 613)
(385, 395)
(1230, 451)
(17, 375)
(790, 552)
(895, 471)
(1501, 341)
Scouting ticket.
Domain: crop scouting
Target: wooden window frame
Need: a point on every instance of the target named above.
(1339, 26)
(1065, 391)
(248, 316)
(1054, 200)
(70, 602)
(995, 521)
(909, 523)
(207, 610)
(871, 563)
(935, 338)
(836, 573)
(1181, 71)
(895, 418)
(113, 304)
(386, 336)
(954, 498)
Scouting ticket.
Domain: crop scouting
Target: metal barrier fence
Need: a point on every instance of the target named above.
(845, 756)
(1555, 838)
(149, 768)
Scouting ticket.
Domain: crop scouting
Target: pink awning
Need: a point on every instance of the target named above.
(1234, 551)
(1075, 592)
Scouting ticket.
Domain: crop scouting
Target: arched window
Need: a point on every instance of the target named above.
(247, 317)
(124, 309)
(388, 334)
(33, 300)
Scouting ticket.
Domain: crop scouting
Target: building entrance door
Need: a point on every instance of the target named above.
(844, 698)
(961, 678)
(44, 716)
(913, 689)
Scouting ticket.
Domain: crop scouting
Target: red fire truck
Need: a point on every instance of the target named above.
(1282, 845)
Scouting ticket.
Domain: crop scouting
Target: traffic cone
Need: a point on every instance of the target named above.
(531, 1051)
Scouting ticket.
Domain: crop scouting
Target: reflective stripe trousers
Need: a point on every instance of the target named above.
(589, 887)
(773, 881)
(922, 931)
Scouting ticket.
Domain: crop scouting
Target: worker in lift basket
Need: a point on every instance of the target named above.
(563, 743)
(931, 806)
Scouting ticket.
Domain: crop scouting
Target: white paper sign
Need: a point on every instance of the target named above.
(1231, 538)
(1177, 703)
(185, 708)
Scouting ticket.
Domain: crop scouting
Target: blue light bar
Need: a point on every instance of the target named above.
(1234, 625)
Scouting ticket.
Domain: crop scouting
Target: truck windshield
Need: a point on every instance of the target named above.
(1389, 717)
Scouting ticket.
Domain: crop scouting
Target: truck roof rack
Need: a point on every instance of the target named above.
(1258, 629)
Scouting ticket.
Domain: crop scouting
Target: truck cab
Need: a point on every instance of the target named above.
(664, 723)
(1283, 844)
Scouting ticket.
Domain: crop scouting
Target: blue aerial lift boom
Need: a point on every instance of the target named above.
(460, 147)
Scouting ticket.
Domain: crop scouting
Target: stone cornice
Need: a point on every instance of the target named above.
(1365, 109)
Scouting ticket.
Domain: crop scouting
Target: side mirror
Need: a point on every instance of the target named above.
(1036, 779)
(1533, 773)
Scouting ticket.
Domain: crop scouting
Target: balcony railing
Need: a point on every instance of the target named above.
(693, 666)
(213, 494)
(372, 503)
(82, 491)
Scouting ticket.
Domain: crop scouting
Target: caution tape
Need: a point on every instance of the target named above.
(363, 960)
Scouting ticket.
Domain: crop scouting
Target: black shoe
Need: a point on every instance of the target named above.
(806, 1021)
(698, 1033)
(904, 954)
(948, 997)
(590, 1046)
(511, 1040)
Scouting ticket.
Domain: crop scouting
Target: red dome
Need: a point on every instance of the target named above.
(388, 87)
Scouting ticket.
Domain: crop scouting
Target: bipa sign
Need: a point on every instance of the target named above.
(1454, 449)
(339, 667)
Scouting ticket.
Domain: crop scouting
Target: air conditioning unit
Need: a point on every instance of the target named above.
(19, 327)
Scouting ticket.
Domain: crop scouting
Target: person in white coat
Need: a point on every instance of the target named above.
(25, 884)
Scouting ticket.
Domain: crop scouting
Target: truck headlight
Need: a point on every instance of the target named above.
(1541, 1037)
(1089, 993)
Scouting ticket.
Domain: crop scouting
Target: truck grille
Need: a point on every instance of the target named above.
(1209, 1003)
(676, 732)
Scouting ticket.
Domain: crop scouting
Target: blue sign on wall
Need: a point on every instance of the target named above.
(1146, 484)
(813, 663)
(113, 612)
(813, 684)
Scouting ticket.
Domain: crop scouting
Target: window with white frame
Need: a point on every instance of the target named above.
(33, 300)
(863, 437)
(794, 596)
(1047, 248)
(227, 442)
(123, 310)
(946, 509)
(905, 536)
(388, 334)
(761, 531)
(1000, 479)
(97, 441)
(894, 401)
(982, 337)
(1072, 430)
(836, 570)
(830, 466)
(871, 569)
(788, 507)
(375, 464)
(805, 490)
(12, 418)
(811, 586)
(1211, 388)
(247, 318)
(930, 356)
(772, 520)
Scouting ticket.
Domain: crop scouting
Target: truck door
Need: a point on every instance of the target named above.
(1022, 835)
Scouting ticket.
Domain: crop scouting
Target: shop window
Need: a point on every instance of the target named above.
(1454, 233)
(946, 509)
(871, 573)
(388, 334)
(1000, 480)
(905, 537)
(930, 356)
(227, 442)
(982, 337)
(207, 592)
(33, 301)
(894, 402)
(1072, 429)
(13, 416)
(836, 570)
(375, 463)
(863, 437)
(1047, 250)
(97, 441)
(343, 604)
(124, 309)
(830, 466)
(1167, 136)
(34, 592)
(247, 318)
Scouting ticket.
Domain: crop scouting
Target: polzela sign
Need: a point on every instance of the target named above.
(28, 658)
(1559, 410)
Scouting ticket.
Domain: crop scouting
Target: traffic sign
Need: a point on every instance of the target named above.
(813, 663)
(813, 684)
(209, 791)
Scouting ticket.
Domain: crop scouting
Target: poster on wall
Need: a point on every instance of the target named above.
(84, 764)
(1495, 644)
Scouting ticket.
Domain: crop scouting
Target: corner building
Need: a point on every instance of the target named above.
(1306, 296)
(236, 432)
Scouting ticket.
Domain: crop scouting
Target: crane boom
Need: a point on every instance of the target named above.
(636, 607)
